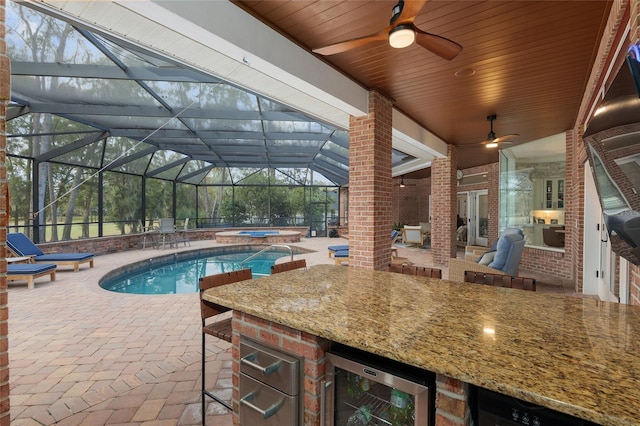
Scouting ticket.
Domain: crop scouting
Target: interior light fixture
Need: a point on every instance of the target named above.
(491, 145)
(402, 36)
(402, 183)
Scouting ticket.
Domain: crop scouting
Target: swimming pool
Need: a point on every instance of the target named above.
(179, 272)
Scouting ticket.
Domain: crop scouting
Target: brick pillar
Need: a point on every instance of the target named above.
(452, 402)
(444, 192)
(370, 185)
(5, 96)
(493, 201)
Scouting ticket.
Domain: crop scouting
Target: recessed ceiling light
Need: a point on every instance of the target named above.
(465, 72)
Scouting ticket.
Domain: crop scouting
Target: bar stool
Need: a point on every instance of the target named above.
(288, 266)
(420, 271)
(496, 280)
(220, 328)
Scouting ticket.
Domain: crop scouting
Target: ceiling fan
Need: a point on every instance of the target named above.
(495, 142)
(401, 33)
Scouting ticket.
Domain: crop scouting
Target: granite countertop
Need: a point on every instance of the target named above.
(578, 356)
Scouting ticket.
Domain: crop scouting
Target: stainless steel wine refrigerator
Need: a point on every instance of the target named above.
(363, 389)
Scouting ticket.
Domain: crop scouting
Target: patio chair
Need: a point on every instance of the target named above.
(182, 236)
(147, 231)
(167, 231)
(288, 266)
(505, 260)
(21, 245)
(220, 328)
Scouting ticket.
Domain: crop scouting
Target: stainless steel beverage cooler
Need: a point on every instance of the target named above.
(361, 384)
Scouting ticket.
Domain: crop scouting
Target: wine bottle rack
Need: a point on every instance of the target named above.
(379, 408)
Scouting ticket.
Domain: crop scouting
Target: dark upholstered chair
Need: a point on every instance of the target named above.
(552, 238)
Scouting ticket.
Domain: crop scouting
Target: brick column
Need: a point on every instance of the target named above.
(370, 185)
(444, 192)
(452, 402)
(5, 96)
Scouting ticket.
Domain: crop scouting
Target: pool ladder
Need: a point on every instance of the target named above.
(267, 249)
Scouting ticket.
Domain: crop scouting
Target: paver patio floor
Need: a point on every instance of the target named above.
(80, 355)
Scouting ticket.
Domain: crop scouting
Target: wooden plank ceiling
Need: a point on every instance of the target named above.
(528, 62)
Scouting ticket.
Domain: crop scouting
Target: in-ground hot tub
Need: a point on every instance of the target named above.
(258, 236)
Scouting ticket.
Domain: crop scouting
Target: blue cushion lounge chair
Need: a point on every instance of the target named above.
(30, 271)
(21, 245)
(333, 250)
(505, 260)
(340, 256)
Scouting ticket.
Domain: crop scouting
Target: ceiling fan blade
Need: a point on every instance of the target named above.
(409, 11)
(443, 47)
(505, 138)
(343, 46)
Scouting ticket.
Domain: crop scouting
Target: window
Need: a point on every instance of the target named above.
(532, 190)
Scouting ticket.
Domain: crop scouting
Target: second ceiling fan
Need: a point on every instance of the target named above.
(401, 32)
(497, 142)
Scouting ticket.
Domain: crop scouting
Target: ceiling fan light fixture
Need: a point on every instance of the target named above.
(402, 36)
(492, 145)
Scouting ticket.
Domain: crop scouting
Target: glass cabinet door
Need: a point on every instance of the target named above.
(360, 401)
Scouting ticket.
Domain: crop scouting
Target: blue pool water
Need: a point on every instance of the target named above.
(173, 274)
(258, 233)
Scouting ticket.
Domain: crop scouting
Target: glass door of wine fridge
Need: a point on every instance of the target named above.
(369, 390)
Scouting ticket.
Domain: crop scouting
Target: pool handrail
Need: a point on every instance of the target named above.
(266, 249)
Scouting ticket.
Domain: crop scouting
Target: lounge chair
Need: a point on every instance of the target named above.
(505, 260)
(21, 245)
(30, 271)
(345, 248)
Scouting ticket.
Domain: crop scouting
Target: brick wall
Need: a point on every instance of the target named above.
(370, 223)
(410, 205)
(5, 95)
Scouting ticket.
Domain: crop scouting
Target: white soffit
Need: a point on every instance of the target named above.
(413, 139)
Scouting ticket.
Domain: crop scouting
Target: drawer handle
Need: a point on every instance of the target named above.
(248, 361)
(270, 411)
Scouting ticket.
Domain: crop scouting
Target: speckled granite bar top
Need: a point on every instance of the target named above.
(578, 356)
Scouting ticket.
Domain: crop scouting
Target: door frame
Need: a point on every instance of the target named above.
(598, 267)
(473, 219)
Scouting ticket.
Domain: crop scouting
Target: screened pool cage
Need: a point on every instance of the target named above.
(104, 136)
(91, 203)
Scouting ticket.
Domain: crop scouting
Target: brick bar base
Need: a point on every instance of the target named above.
(452, 396)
